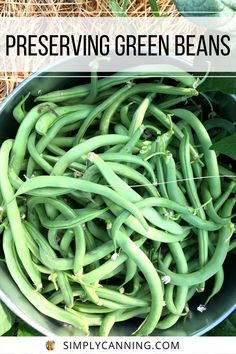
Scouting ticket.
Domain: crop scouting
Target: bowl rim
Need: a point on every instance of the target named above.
(16, 91)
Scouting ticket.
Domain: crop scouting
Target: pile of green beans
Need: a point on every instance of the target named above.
(113, 205)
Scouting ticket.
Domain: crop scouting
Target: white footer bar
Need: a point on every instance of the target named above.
(118, 345)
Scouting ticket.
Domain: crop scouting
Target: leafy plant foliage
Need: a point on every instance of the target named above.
(206, 7)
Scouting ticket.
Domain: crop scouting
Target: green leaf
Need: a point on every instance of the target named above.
(226, 146)
(224, 105)
(206, 8)
(232, 319)
(25, 330)
(6, 319)
(116, 9)
(217, 8)
(230, 3)
(125, 5)
(222, 84)
(154, 8)
(224, 329)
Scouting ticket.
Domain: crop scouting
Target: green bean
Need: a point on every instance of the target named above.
(121, 95)
(53, 239)
(120, 129)
(133, 141)
(108, 322)
(31, 244)
(105, 269)
(110, 110)
(109, 104)
(56, 150)
(49, 118)
(37, 158)
(169, 299)
(218, 283)
(193, 196)
(84, 148)
(158, 236)
(63, 141)
(48, 288)
(108, 83)
(163, 118)
(71, 118)
(80, 246)
(124, 171)
(98, 232)
(21, 139)
(64, 285)
(172, 102)
(139, 115)
(112, 300)
(91, 319)
(102, 195)
(210, 210)
(105, 293)
(181, 292)
(85, 186)
(216, 260)
(185, 212)
(153, 280)
(209, 155)
(37, 300)
(52, 262)
(188, 174)
(14, 216)
(222, 199)
(86, 215)
(90, 292)
(197, 168)
(76, 165)
(98, 252)
(51, 211)
(94, 86)
(44, 270)
(56, 298)
(153, 233)
(131, 271)
(16, 182)
(90, 246)
(152, 128)
(109, 156)
(91, 308)
(67, 263)
(124, 190)
(117, 272)
(161, 146)
(133, 313)
(79, 234)
(124, 115)
(173, 190)
(232, 245)
(136, 284)
(66, 240)
(19, 112)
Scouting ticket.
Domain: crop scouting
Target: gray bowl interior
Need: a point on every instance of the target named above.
(195, 324)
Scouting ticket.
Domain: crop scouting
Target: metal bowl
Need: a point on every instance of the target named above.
(195, 324)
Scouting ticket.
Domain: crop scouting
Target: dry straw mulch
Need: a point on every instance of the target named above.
(78, 7)
(68, 8)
